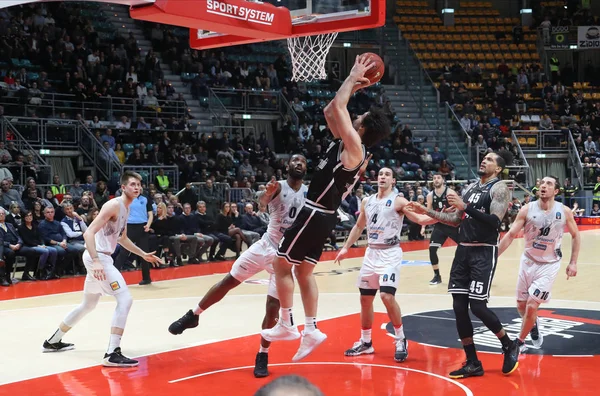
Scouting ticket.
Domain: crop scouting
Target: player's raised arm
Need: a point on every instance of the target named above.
(337, 116)
(515, 227)
(575, 244)
(358, 228)
(272, 190)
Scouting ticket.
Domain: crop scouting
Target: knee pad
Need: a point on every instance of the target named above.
(460, 306)
(124, 302)
(486, 315)
(433, 257)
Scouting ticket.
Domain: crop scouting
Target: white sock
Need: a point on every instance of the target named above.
(365, 335)
(285, 315)
(113, 343)
(56, 337)
(399, 332)
(310, 324)
(198, 310)
(262, 349)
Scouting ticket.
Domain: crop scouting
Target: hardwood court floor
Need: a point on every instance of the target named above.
(217, 357)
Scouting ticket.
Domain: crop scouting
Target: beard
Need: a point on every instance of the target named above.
(297, 175)
(480, 172)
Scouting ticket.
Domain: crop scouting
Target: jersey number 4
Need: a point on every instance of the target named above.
(374, 219)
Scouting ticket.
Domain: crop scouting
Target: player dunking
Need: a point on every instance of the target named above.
(101, 238)
(284, 199)
(544, 223)
(334, 178)
(479, 214)
(438, 201)
(382, 214)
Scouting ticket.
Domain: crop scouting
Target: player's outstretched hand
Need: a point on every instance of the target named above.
(571, 270)
(456, 201)
(416, 207)
(271, 187)
(154, 260)
(361, 65)
(340, 256)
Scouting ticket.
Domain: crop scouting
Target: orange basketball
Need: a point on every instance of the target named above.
(375, 73)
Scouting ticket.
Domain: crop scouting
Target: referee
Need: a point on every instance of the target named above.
(138, 226)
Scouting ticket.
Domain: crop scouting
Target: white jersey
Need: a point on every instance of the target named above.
(384, 224)
(107, 237)
(283, 209)
(544, 232)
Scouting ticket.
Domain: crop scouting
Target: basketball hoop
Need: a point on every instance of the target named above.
(309, 54)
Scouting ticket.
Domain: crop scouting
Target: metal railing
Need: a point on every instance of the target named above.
(249, 100)
(149, 173)
(104, 161)
(52, 105)
(525, 165)
(575, 162)
(542, 141)
(21, 172)
(450, 115)
(221, 116)
(21, 143)
(286, 109)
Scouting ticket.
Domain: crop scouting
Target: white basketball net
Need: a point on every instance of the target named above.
(309, 54)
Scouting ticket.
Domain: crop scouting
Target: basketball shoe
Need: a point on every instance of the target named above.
(536, 336)
(260, 365)
(187, 321)
(469, 369)
(401, 350)
(281, 332)
(511, 358)
(308, 344)
(57, 347)
(116, 359)
(360, 348)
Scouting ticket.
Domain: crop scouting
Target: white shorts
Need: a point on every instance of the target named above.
(259, 257)
(536, 280)
(112, 285)
(380, 268)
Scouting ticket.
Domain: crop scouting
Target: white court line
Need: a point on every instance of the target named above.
(163, 351)
(433, 346)
(444, 295)
(467, 391)
(569, 356)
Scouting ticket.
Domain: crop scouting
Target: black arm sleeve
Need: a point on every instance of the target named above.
(489, 219)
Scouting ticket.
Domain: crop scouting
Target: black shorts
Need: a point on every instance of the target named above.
(441, 232)
(304, 240)
(473, 271)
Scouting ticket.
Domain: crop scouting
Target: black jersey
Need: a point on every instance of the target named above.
(471, 230)
(331, 182)
(439, 203)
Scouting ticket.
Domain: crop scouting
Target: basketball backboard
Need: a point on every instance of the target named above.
(221, 23)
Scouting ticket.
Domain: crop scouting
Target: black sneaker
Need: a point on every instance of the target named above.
(511, 358)
(116, 359)
(187, 321)
(57, 347)
(360, 348)
(401, 350)
(260, 365)
(437, 279)
(469, 369)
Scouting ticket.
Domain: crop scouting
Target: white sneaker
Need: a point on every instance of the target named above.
(281, 332)
(537, 339)
(523, 348)
(308, 344)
